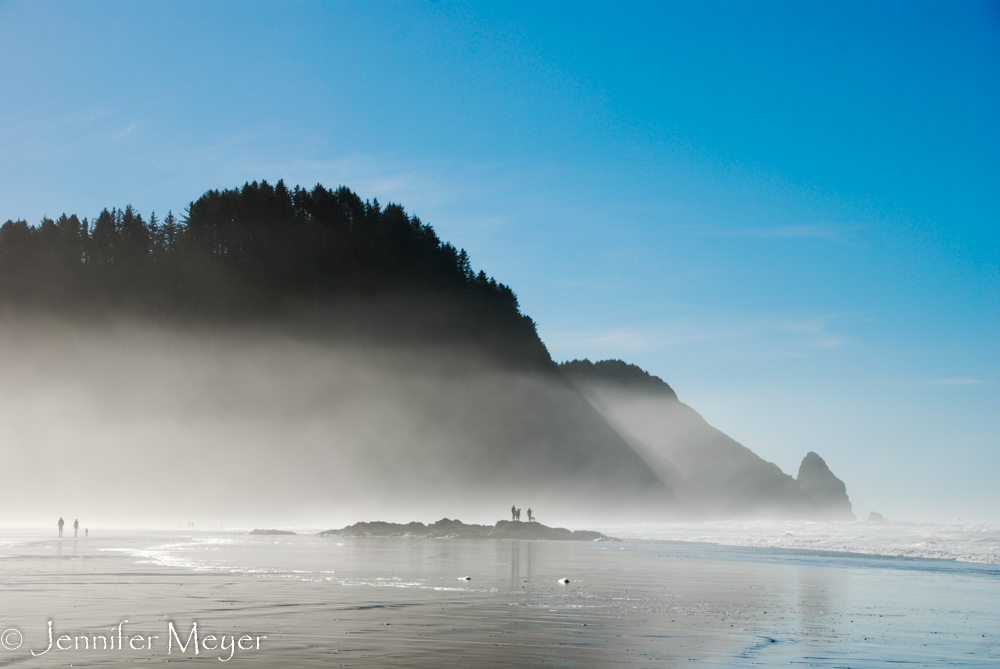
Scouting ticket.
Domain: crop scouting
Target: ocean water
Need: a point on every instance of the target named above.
(957, 540)
(462, 603)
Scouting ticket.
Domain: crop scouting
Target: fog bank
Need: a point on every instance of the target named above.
(131, 423)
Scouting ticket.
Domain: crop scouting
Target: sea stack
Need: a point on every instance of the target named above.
(826, 490)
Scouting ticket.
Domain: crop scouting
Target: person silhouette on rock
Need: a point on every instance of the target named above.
(517, 515)
(76, 527)
(60, 525)
(513, 512)
(531, 518)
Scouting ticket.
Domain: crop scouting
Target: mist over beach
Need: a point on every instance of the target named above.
(235, 426)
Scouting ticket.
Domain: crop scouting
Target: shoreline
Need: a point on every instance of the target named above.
(908, 541)
(369, 602)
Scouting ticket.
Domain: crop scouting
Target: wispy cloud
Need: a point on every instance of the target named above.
(810, 231)
(58, 127)
(788, 232)
(750, 338)
(959, 381)
(128, 130)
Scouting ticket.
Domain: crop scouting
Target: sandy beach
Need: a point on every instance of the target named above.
(301, 601)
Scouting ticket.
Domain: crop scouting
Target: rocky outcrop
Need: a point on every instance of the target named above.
(826, 490)
(271, 532)
(456, 529)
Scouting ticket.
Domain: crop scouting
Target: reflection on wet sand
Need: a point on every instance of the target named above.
(398, 602)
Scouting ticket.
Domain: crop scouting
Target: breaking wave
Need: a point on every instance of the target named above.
(958, 540)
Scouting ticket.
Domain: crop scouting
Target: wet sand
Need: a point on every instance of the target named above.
(400, 603)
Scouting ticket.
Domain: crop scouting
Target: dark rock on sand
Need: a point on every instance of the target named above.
(270, 532)
(456, 529)
(876, 517)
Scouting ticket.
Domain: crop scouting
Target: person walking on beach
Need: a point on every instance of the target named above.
(76, 527)
(60, 524)
(86, 533)
(513, 512)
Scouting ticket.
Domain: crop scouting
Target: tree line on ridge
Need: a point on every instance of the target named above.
(262, 250)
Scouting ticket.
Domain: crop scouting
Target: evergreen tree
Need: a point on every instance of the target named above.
(170, 231)
(156, 246)
(104, 239)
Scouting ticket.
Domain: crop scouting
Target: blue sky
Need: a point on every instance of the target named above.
(789, 211)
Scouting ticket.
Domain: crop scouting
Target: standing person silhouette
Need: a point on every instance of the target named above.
(531, 518)
(60, 524)
(86, 532)
(517, 515)
(513, 513)
(76, 527)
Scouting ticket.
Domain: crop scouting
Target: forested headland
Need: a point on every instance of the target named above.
(435, 390)
(265, 252)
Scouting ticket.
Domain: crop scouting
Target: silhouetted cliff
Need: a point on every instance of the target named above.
(351, 339)
(711, 474)
(346, 336)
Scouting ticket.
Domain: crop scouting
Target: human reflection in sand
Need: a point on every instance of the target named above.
(519, 554)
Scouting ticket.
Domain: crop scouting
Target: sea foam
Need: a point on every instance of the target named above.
(958, 540)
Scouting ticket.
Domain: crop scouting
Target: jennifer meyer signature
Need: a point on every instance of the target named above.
(121, 640)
